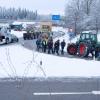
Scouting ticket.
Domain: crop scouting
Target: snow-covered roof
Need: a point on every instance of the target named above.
(4, 25)
(87, 32)
(93, 32)
(19, 22)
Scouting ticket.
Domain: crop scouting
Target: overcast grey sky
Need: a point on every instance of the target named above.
(43, 6)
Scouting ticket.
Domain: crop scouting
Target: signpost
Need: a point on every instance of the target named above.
(56, 17)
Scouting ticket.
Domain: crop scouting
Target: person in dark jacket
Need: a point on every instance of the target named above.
(56, 47)
(44, 45)
(38, 43)
(63, 44)
(50, 46)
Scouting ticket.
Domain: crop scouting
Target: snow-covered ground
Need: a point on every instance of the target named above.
(59, 29)
(15, 60)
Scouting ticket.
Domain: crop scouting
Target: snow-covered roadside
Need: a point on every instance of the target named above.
(15, 60)
(59, 29)
(18, 61)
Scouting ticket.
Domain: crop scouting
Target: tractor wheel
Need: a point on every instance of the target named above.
(83, 50)
(72, 49)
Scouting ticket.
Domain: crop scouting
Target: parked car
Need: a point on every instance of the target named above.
(6, 36)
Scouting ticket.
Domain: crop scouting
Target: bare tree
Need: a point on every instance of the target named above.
(83, 14)
(95, 15)
(74, 14)
(87, 5)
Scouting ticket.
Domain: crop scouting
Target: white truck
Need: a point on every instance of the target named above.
(6, 36)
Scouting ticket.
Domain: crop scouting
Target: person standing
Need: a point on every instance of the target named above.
(63, 44)
(56, 47)
(50, 46)
(44, 45)
(38, 43)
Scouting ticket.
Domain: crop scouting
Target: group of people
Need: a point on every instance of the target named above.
(48, 45)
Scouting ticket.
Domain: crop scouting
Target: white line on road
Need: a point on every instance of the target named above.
(66, 93)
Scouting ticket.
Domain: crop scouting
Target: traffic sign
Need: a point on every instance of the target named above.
(55, 17)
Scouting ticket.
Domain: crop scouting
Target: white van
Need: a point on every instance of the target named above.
(6, 36)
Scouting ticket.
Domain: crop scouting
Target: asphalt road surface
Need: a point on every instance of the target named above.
(50, 89)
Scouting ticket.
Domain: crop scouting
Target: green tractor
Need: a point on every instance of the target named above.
(86, 44)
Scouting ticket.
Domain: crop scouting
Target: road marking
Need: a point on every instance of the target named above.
(96, 92)
(65, 93)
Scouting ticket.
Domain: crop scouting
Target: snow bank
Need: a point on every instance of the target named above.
(53, 66)
(59, 29)
(15, 60)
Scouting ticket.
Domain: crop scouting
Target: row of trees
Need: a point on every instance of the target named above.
(83, 15)
(19, 13)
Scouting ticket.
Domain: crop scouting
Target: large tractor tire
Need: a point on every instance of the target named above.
(72, 49)
(83, 50)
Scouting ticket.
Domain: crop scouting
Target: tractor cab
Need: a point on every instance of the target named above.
(88, 37)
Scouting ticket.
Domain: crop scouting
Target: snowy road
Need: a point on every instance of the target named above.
(75, 89)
